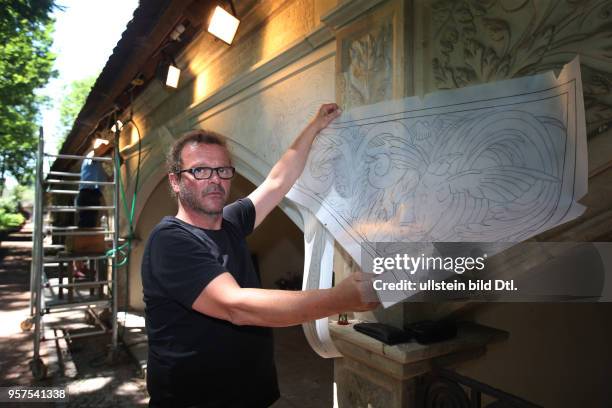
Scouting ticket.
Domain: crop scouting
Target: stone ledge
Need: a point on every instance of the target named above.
(408, 360)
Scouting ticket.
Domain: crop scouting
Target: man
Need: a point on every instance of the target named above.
(208, 320)
(90, 195)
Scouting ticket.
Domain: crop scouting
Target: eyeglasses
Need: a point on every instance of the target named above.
(204, 173)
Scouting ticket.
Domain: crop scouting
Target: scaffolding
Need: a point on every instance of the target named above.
(52, 263)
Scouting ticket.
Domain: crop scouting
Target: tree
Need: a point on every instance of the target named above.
(14, 12)
(26, 64)
(72, 102)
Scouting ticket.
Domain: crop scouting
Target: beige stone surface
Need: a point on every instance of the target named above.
(372, 374)
(469, 337)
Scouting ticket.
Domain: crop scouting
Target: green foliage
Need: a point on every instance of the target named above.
(13, 13)
(10, 217)
(74, 99)
(21, 193)
(10, 221)
(12, 199)
(26, 64)
(8, 205)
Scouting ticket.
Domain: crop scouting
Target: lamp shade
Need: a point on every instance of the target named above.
(223, 25)
(173, 76)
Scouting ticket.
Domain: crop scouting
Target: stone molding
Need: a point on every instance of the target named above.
(347, 11)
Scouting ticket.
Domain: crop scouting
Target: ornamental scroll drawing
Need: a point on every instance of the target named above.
(499, 162)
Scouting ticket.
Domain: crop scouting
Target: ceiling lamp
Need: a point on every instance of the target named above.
(99, 142)
(223, 25)
(168, 71)
(172, 78)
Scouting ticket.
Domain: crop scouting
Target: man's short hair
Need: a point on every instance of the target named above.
(174, 160)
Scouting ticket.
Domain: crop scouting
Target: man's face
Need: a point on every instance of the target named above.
(205, 196)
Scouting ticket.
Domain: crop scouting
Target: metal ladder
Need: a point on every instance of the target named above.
(46, 295)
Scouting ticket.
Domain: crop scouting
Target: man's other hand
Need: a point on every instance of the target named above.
(356, 293)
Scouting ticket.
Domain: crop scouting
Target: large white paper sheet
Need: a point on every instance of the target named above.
(318, 264)
(496, 162)
(499, 162)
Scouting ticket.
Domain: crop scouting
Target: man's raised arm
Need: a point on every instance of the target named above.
(290, 166)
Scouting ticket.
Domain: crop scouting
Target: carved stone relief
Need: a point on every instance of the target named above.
(367, 77)
(370, 59)
(475, 41)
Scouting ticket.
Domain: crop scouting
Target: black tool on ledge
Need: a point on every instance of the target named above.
(425, 332)
(383, 332)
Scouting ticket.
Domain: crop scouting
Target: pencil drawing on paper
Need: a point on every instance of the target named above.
(489, 176)
(499, 163)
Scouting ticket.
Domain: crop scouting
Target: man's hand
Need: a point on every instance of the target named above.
(326, 114)
(356, 293)
(287, 170)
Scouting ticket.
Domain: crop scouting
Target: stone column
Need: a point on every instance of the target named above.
(372, 374)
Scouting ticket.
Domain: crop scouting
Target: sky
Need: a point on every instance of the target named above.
(86, 32)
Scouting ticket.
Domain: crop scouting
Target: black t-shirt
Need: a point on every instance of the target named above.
(195, 359)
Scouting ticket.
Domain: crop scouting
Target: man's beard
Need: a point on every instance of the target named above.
(189, 199)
